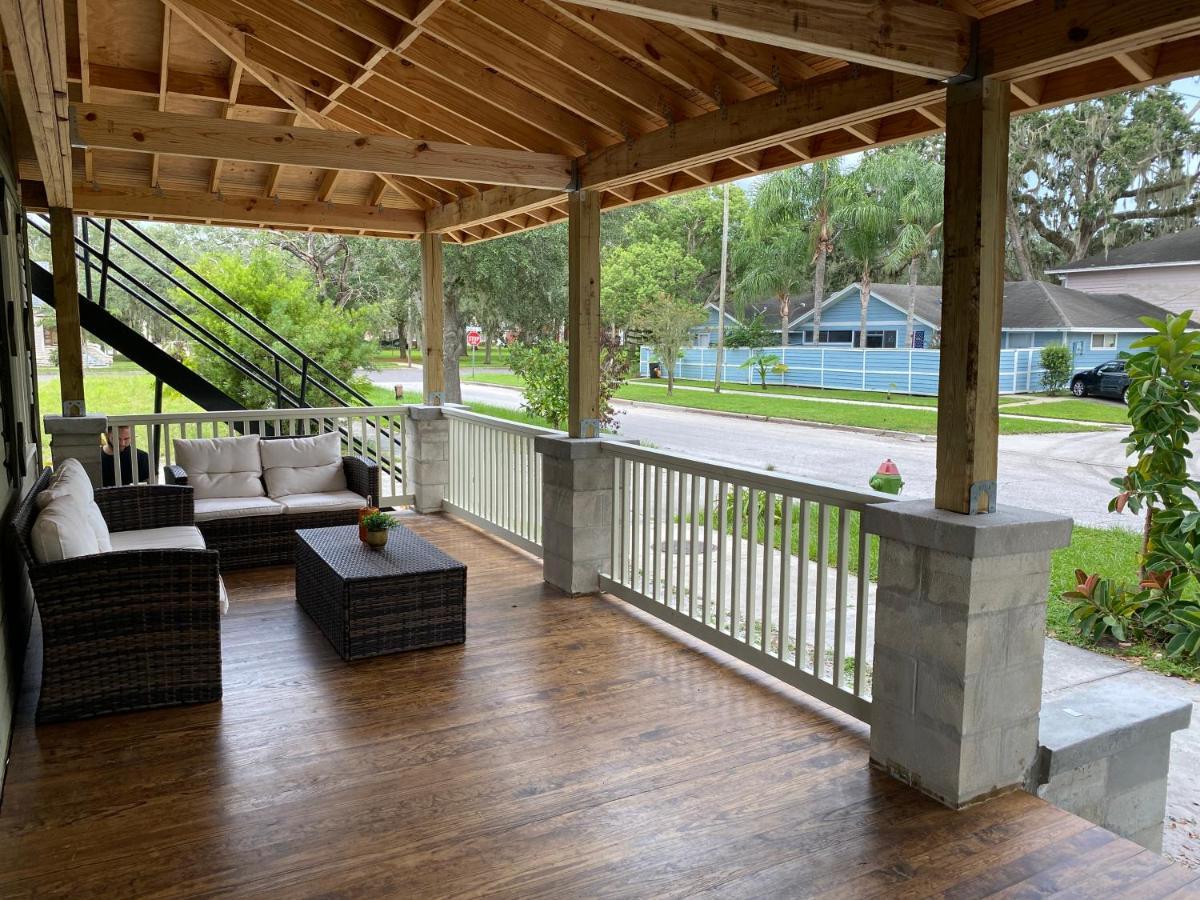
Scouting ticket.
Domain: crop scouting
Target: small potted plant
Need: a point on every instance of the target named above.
(377, 525)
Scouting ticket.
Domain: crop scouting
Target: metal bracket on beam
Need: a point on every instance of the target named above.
(589, 428)
(971, 71)
(983, 497)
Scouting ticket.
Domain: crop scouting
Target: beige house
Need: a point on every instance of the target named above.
(1164, 271)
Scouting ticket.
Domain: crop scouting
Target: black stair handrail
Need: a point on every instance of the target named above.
(179, 319)
(275, 335)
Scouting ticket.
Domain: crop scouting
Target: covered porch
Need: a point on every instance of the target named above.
(678, 677)
(573, 746)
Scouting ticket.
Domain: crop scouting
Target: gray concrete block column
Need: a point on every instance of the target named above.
(959, 634)
(577, 498)
(77, 437)
(427, 456)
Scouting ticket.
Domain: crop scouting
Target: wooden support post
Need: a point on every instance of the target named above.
(433, 375)
(583, 314)
(66, 309)
(972, 295)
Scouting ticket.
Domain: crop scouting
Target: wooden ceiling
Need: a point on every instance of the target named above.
(209, 110)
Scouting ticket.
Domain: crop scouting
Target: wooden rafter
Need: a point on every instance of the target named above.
(236, 69)
(123, 128)
(85, 76)
(164, 70)
(774, 65)
(36, 36)
(903, 35)
(202, 206)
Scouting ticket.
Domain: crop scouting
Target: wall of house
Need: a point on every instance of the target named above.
(844, 314)
(1175, 288)
(19, 423)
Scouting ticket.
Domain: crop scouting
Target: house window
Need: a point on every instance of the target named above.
(836, 336)
(1105, 340)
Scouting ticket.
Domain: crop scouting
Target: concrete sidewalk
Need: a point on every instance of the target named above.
(1067, 667)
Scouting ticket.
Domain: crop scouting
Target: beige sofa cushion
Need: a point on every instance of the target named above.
(303, 465)
(333, 501)
(62, 531)
(172, 537)
(71, 480)
(236, 508)
(221, 467)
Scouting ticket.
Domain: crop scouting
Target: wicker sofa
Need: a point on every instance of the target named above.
(135, 627)
(251, 517)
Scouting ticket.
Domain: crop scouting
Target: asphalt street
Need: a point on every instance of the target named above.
(1062, 473)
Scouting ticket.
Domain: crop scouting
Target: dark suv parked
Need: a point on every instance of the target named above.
(1106, 380)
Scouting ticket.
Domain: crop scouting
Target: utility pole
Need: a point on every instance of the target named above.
(721, 297)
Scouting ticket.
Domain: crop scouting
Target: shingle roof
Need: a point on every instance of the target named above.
(1181, 247)
(1037, 304)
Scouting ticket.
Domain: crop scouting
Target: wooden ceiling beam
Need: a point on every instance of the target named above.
(381, 28)
(824, 103)
(235, 81)
(234, 44)
(540, 33)
(183, 84)
(1044, 36)
(492, 47)
(902, 35)
(225, 210)
(490, 87)
(37, 45)
(774, 65)
(124, 128)
(78, 8)
(660, 52)
(488, 205)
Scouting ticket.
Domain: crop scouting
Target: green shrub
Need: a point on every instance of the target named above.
(543, 367)
(1058, 365)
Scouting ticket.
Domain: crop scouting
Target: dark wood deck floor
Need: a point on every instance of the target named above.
(571, 748)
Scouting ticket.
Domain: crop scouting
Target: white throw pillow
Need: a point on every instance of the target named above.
(71, 481)
(61, 531)
(303, 465)
(221, 467)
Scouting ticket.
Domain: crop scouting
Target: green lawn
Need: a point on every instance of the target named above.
(390, 357)
(1110, 552)
(914, 421)
(827, 393)
(1101, 411)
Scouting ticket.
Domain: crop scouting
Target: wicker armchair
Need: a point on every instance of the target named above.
(131, 629)
(271, 540)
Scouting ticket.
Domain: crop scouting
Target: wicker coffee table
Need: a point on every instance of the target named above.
(404, 596)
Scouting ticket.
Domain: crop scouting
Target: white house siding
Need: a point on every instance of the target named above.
(1175, 288)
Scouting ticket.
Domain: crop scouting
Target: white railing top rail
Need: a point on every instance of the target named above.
(253, 415)
(459, 412)
(822, 491)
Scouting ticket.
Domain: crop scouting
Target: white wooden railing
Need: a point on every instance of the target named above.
(495, 478)
(374, 432)
(787, 589)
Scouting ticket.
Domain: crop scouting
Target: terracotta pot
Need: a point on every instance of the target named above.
(376, 539)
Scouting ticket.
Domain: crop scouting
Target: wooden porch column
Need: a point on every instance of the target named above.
(66, 309)
(972, 295)
(583, 314)
(433, 375)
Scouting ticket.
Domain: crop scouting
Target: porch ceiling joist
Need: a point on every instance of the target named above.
(903, 35)
(228, 210)
(35, 31)
(125, 128)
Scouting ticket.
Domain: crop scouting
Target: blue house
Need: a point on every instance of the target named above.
(1095, 326)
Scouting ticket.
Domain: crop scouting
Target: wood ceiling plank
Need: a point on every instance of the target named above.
(243, 211)
(123, 128)
(382, 100)
(492, 47)
(773, 65)
(486, 84)
(320, 30)
(1047, 35)
(902, 35)
(660, 52)
(37, 45)
(542, 34)
(395, 79)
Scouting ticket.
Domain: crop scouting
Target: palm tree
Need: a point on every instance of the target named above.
(772, 262)
(804, 197)
(917, 199)
(865, 223)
